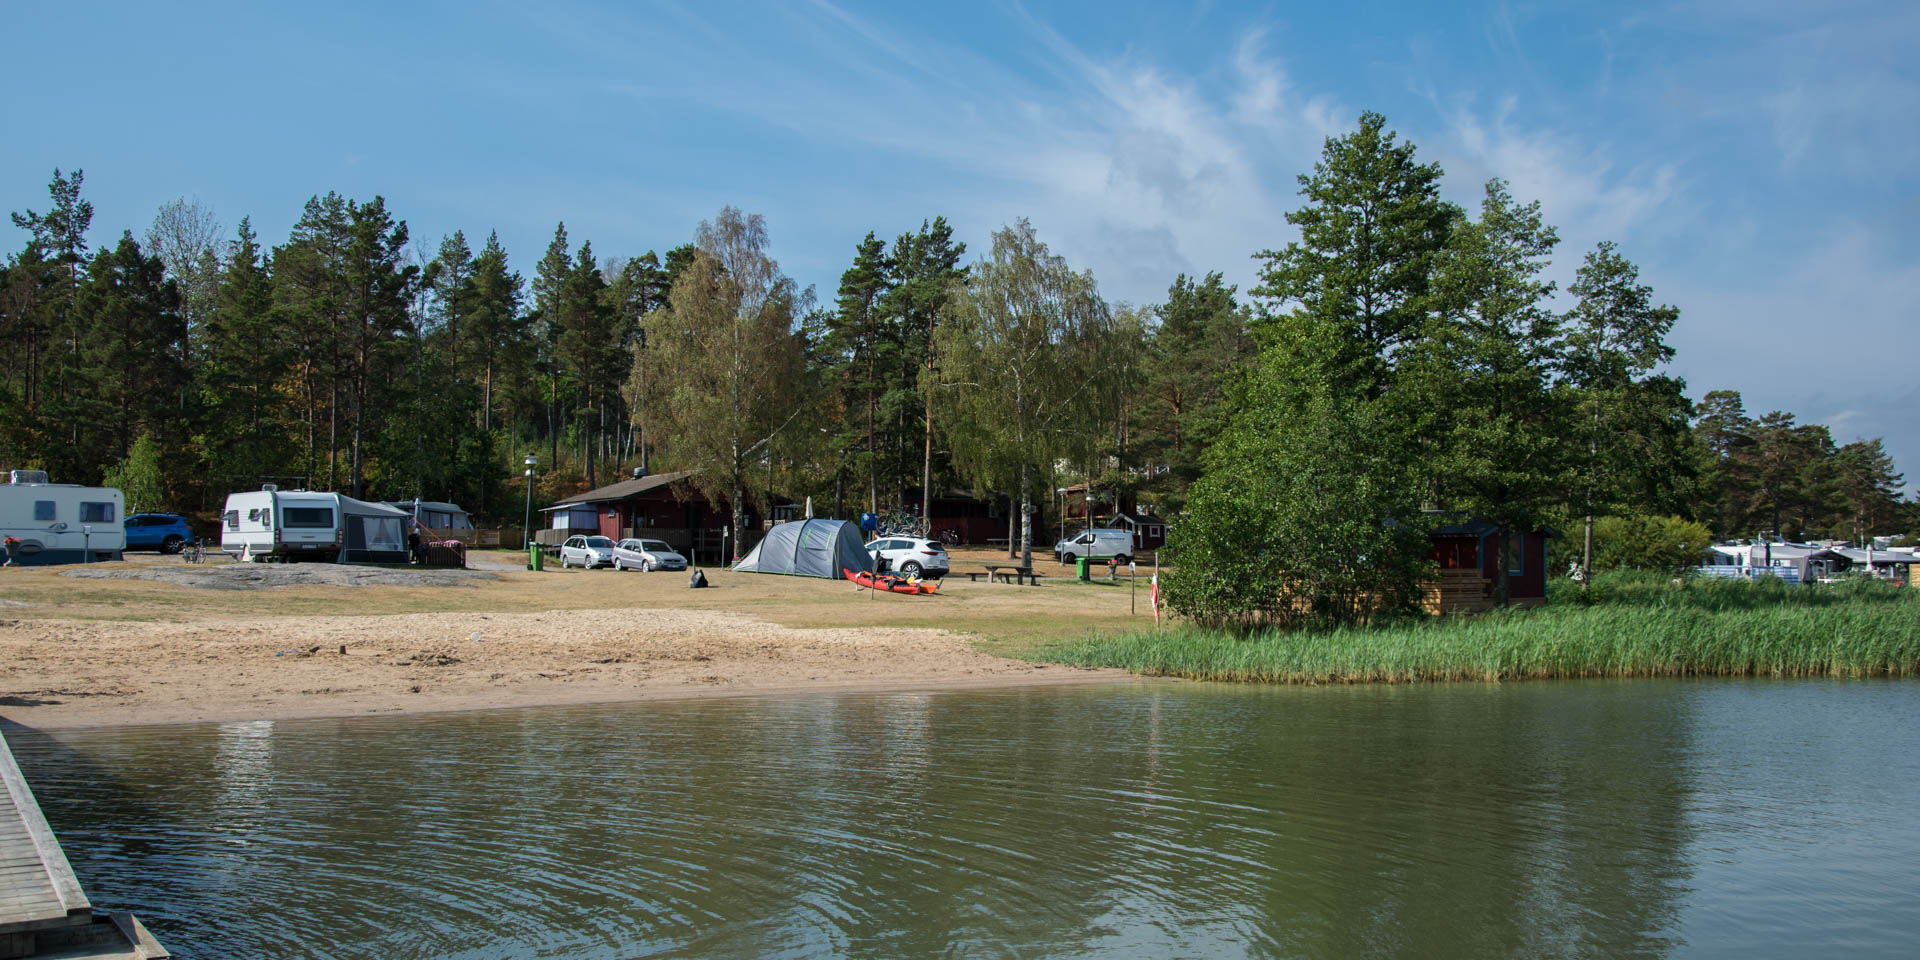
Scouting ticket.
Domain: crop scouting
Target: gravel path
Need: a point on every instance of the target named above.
(258, 576)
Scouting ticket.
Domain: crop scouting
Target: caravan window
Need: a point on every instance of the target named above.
(96, 512)
(43, 510)
(308, 517)
(233, 519)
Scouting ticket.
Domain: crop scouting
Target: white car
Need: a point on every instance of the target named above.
(1098, 543)
(587, 552)
(637, 554)
(911, 556)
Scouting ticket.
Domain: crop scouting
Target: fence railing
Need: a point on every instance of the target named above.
(1730, 572)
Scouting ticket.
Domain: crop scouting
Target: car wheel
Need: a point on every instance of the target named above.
(617, 567)
(564, 562)
(1067, 558)
(1123, 559)
(172, 544)
(910, 568)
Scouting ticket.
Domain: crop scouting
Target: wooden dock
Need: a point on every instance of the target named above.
(43, 912)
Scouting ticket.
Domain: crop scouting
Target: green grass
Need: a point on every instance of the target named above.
(1628, 626)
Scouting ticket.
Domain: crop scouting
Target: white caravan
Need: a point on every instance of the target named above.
(288, 525)
(272, 524)
(60, 522)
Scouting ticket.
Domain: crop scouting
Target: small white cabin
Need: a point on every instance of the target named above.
(60, 522)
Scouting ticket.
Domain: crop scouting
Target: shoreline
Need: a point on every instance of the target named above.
(71, 673)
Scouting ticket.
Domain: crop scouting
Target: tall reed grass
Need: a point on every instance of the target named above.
(1627, 626)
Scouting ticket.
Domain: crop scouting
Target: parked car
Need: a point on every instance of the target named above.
(912, 556)
(1098, 543)
(587, 552)
(637, 554)
(158, 531)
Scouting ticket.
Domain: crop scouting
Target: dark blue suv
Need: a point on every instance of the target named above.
(158, 531)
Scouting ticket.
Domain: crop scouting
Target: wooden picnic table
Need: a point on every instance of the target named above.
(1018, 572)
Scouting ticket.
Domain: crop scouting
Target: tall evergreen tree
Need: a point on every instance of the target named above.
(1197, 347)
(244, 359)
(132, 332)
(1627, 421)
(1484, 369)
(1355, 287)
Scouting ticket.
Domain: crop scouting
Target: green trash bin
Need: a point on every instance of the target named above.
(535, 559)
(1083, 568)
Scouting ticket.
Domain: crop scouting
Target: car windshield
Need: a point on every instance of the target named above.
(599, 542)
(655, 546)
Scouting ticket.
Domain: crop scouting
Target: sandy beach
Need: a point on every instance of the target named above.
(154, 641)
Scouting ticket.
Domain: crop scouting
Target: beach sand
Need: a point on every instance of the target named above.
(85, 651)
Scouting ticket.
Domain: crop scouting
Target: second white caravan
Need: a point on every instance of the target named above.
(272, 524)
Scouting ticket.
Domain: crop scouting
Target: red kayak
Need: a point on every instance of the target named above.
(891, 584)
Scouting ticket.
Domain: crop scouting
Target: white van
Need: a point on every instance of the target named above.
(1098, 543)
(291, 525)
(60, 522)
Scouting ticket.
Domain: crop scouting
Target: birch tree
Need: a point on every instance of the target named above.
(727, 359)
(1008, 376)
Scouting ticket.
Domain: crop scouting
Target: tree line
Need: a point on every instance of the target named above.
(1413, 370)
(1402, 360)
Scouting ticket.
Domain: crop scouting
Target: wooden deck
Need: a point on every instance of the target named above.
(43, 912)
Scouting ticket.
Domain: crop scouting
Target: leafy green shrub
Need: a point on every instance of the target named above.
(1294, 521)
(1667, 544)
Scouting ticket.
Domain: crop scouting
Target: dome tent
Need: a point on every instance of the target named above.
(809, 548)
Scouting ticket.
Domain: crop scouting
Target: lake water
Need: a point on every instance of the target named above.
(1751, 819)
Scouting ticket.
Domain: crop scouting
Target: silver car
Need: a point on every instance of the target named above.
(638, 554)
(587, 552)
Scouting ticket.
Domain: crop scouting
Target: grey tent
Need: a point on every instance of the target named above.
(374, 532)
(809, 548)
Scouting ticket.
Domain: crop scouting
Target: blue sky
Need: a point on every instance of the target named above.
(1760, 161)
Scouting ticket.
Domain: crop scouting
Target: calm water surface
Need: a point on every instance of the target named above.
(1752, 819)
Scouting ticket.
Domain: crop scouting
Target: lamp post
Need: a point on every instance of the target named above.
(526, 526)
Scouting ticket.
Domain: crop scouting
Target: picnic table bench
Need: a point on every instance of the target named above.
(1014, 573)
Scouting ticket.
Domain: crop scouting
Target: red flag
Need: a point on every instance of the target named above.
(1154, 598)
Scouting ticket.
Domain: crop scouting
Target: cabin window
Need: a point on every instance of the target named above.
(1515, 552)
(307, 517)
(96, 512)
(43, 510)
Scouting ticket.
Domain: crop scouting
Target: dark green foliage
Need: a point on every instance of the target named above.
(1307, 516)
(1196, 350)
(1359, 279)
(1667, 545)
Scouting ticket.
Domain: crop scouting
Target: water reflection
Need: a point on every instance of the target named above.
(1151, 820)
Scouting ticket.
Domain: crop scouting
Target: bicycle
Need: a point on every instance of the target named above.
(196, 551)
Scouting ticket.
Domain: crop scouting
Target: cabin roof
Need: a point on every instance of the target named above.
(623, 489)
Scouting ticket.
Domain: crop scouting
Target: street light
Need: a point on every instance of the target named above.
(526, 527)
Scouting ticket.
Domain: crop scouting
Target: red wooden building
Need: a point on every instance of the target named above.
(1468, 556)
(661, 506)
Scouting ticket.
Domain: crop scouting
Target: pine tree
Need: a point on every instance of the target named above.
(1627, 420)
(244, 358)
(1357, 281)
(1480, 387)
